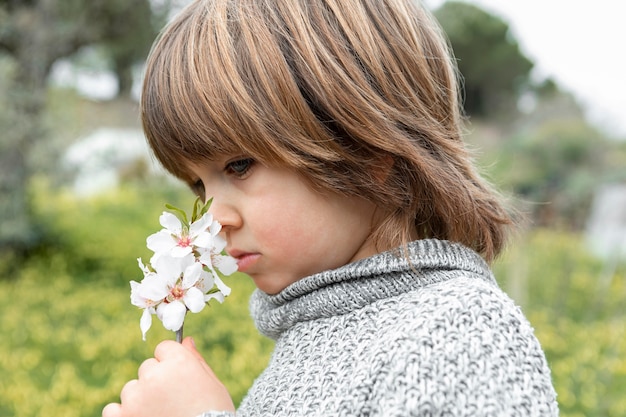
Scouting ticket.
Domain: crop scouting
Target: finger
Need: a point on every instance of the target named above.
(145, 367)
(169, 349)
(112, 410)
(166, 349)
(190, 345)
(128, 390)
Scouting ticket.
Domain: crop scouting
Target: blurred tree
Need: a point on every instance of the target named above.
(556, 169)
(130, 31)
(548, 103)
(34, 34)
(495, 72)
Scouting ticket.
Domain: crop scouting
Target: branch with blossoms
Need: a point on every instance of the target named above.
(186, 270)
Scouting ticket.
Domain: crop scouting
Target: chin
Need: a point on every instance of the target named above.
(270, 284)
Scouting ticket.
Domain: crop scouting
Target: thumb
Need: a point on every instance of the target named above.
(190, 345)
(221, 395)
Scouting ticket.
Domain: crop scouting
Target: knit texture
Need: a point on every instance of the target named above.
(385, 337)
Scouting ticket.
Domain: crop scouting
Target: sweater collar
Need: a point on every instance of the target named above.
(353, 286)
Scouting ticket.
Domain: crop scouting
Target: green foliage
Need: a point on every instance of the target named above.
(199, 209)
(576, 304)
(495, 71)
(71, 338)
(556, 168)
(68, 346)
(98, 233)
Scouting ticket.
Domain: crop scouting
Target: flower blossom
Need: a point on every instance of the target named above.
(185, 272)
(177, 240)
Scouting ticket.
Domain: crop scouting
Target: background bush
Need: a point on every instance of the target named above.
(577, 305)
(71, 338)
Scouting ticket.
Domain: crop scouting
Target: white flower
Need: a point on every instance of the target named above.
(213, 259)
(147, 295)
(224, 263)
(184, 273)
(138, 300)
(184, 281)
(177, 240)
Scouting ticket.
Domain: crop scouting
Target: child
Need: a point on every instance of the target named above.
(328, 133)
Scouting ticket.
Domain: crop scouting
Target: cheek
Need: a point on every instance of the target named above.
(290, 229)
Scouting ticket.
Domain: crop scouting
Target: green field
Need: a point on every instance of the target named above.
(70, 338)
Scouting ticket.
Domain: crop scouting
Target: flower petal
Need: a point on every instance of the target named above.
(226, 264)
(143, 268)
(172, 315)
(171, 223)
(145, 322)
(161, 241)
(194, 300)
(215, 296)
(169, 268)
(201, 224)
(192, 275)
(205, 282)
(215, 228)
(205, 259)
(180, 251)
(187, 261)
(203, 240)
(219, 243)
(135, 298)
(224, 289)
(153, 288)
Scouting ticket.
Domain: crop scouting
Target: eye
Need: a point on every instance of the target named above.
(239, 167)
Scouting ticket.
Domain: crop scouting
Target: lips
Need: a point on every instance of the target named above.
(245, 260)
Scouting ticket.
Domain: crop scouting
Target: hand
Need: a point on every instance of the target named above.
(177, 382)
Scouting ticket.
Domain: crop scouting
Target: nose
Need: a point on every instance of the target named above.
(226, 214)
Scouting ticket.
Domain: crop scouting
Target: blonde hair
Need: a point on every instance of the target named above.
(359, 96)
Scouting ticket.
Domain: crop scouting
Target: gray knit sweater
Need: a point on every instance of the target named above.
(385, 337)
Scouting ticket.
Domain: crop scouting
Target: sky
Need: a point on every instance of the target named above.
(579, 43)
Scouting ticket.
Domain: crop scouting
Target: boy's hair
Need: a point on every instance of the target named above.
(359, 96)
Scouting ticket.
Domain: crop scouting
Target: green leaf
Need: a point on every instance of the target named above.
(196, 205)
(205, 207)
(182, 216)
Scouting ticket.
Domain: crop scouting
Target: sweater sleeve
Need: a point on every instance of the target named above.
(473, 354)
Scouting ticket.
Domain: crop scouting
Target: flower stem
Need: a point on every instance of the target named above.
(179, 335)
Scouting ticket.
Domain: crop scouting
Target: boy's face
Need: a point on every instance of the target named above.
(277, 227)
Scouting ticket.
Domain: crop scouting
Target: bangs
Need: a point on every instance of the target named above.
(210, 89)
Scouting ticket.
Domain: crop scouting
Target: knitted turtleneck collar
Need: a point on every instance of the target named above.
(363, 282)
